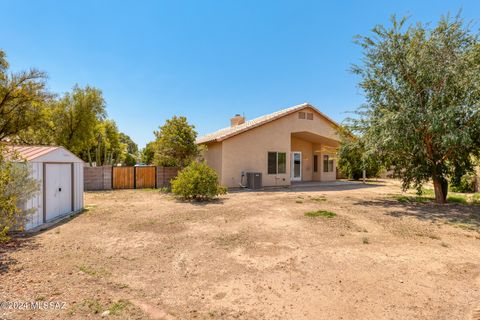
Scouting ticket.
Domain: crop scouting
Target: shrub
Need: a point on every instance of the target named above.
(465, 184)
(197, 181)
(16, 187)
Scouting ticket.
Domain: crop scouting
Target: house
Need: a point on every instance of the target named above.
(60, 176)
(293, 144)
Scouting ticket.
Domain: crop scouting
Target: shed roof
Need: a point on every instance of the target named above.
(226, 133)
(30, 153)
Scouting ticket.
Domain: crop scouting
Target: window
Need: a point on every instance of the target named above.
(282, 162)
(309, 116)
(327, 164)
(315, 163)
(301, 115)
(277, 162)
(272, 163)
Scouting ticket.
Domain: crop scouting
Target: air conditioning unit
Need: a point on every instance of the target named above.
(254, 180)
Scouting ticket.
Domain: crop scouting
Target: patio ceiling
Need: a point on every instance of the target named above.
(315, 138)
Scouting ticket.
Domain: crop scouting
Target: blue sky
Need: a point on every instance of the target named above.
(206, 60)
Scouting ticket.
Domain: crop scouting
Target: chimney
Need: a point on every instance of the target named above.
(237, 120)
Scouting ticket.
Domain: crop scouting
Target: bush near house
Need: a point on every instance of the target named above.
(197, 181)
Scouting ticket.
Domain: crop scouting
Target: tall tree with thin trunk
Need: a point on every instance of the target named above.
(422, 110)
(75, 117)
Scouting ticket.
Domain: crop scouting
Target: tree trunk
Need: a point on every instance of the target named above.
(89, 158)
(105, 158)
(97, 155)
(477, 179)
(440, 184)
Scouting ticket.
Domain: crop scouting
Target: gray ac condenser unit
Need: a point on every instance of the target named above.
(254, 180)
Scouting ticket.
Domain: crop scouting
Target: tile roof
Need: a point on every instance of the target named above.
(28, 152)
(226, 133)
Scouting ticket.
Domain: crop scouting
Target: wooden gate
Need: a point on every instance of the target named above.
(134, 177)
(145, 177)
(123, 177)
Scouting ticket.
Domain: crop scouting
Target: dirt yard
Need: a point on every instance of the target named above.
(252, 255)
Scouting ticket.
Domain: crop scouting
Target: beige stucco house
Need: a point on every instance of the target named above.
(293, 144)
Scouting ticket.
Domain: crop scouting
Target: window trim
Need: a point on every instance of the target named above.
(277, 162)
(330, 165)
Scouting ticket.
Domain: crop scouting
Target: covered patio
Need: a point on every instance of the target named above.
(313, 157)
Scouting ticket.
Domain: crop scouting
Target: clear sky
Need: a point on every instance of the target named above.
(204, 59)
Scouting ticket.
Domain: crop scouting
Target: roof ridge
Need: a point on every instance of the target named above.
(227, 132)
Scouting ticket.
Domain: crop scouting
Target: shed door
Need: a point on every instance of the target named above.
(58, 189)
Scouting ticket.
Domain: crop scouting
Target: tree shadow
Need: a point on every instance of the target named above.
(202, 202)
(337, 187)
(313, 186)
(52, 224)
(7, 262)
(465, 215)
(25, 240)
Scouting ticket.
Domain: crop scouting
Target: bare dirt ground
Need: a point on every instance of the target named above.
(252, 255)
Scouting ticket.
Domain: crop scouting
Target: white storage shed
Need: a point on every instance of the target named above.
(60, 175)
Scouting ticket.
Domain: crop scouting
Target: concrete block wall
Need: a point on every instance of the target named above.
(97, 178)
(165, 175)
(100, 178)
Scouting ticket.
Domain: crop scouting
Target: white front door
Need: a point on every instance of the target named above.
(296, 166)
(58, 189)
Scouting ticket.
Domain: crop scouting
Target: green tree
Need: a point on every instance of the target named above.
(75, 117)
(132, 147)
(422, 88)
(132, 154)
(175, 143)
(108, 149)
(129, 160)
(22, 95)
(353, 158)
(148, 153)
(16, 187)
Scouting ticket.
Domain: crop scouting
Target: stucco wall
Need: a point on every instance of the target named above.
(306, 148)
(328, 176)
(213, 156)
(248, 151)
(317, 176)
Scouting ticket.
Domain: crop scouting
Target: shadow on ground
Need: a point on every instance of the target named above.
(7, 262)
(202, 203)
(315, 186)
(25, 241)
(466, 215)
